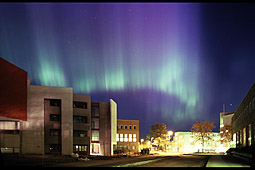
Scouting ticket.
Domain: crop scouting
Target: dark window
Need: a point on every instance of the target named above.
(10, 131)
(80, 119)
(134, 127)
(54, 148)
(125, 126)
(54, 117)
(130, 127)
(121, 127)
(54, 132)
(94, 111)
(55, 102)
(82, 105)
(80, 133)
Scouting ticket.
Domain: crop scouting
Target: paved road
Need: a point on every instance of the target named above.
(225, 161)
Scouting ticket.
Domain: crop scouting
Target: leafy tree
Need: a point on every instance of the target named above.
(202, 131)
(158, 133)
(226, 134)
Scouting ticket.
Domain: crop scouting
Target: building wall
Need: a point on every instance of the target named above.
(126, 127)
(243, 121)
(113, 110)
(33, 129)
(81, 143)
(13, 90)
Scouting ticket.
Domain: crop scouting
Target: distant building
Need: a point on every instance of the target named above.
(243, 121)
(185, 142)
(55, 120)
(128, 135)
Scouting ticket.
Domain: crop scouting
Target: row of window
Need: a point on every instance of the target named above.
(240, 137)
(127, 147)
(76, 133)
(76, 104)
(126, 127)
(80, 148)
(76, 119)
(126, 137)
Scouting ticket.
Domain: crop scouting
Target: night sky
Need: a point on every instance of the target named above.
(171, 63)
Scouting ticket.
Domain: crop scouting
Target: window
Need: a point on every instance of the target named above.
(249, 135)
(134, 137)
(55, 102)
(95, 148)
(117, 137)
(121, 137)
(54, 132)
(80, 119)
(130, 137)
(54, 117)
(121, 127)
(125, 137)
(54, 148)
(134, 126)
(95, 135)
(244, 137)
(94, 111)
(130, 127)
(95, 123)
(81, 105)
(125, 126)
(80, 148)
(80, 133)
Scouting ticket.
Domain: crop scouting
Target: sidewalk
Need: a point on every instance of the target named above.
(223, 161)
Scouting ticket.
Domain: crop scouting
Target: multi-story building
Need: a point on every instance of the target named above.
(57, 121)
(128, 135)
(243, 121)
(186, 142)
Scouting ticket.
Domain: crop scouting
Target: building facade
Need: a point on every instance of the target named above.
(128, 135)
(243, 121)
(185, 142)
(59, 122)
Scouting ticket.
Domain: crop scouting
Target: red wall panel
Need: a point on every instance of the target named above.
(13, 91)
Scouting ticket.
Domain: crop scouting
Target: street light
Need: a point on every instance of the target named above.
(170, 133)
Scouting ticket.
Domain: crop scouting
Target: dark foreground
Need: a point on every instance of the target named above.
(180, 160)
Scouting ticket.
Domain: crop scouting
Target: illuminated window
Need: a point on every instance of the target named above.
(95, 135)
(130, 138)
(134, 137)
(117, 137)
(121, 137)
(125, 137)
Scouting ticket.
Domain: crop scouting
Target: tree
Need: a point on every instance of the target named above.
(202, 131)
(158, 133)
(226, 134)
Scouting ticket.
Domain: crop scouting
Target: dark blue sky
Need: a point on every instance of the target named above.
(173, 63)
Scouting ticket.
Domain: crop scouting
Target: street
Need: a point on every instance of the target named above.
(180, 160)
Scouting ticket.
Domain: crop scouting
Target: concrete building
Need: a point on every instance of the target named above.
(243, 121)
(56, 121)
(185, 142)
(128, 135)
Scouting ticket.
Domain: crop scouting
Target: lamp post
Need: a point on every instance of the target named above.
(170, 133)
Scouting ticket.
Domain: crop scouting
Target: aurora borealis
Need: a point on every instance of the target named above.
(167, 62)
